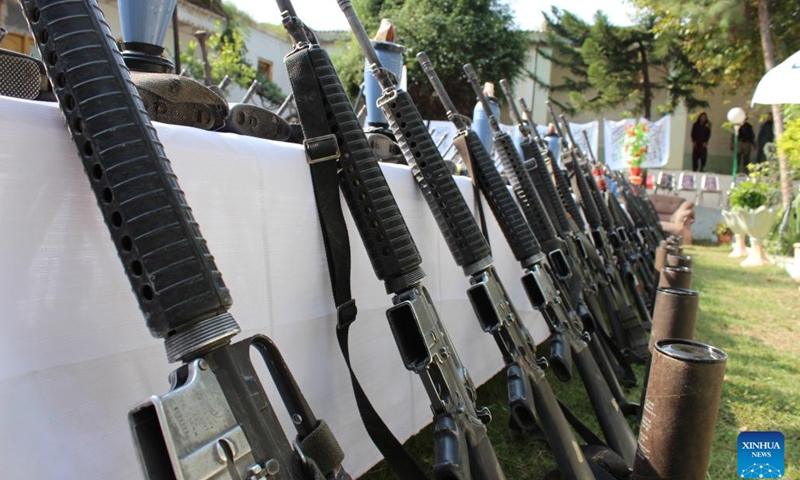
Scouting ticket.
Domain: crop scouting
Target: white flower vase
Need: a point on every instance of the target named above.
(737, 226)
(757, 224)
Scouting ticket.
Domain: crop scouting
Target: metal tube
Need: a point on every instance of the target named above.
(675, 277)
(680, 411)
(176, 42)
(202, 36)
(674, 314)
(679, 260)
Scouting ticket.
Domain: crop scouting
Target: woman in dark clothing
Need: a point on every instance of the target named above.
(701, 132)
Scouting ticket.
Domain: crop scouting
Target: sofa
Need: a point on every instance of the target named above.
(676, 215)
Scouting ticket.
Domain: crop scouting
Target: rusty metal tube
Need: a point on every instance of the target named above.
(674, 316)
(680, 411)
(675, 277)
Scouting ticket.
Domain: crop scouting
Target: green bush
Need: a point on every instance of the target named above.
(789, 144)
(786, 231)
(750, 195)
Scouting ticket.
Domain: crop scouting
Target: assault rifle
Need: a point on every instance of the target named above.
(335, 143)
(635, 274)
(565, 314)
(526, 377)
(216, 421)
(600, 225)
(639, 248)
(628, 335)
(626, 330)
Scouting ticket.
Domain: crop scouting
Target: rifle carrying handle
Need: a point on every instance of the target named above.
(158, 241)
(455, 220)
(391, 249)
(521, 183)
(520, 238)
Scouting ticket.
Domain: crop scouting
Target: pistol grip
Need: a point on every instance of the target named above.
(560, 357)
(449, 450)
(520, 398)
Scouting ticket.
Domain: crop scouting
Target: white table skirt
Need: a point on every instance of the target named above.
(75, 355)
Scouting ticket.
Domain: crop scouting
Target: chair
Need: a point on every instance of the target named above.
(666, 181)
(650, 182)
(709, 184)
(687, 182)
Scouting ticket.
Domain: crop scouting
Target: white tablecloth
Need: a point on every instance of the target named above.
(75, 355)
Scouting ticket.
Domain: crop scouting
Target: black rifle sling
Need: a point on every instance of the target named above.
(322, 153)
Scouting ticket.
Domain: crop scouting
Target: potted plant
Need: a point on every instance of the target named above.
(634, 149)
(724, 233)
(751, 209)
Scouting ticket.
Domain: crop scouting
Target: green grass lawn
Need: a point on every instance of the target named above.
(753, 314)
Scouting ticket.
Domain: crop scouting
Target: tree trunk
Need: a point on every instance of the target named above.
(646, 87)
(777, 114)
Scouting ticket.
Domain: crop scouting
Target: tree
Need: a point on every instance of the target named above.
(719, 36)
(226, 51)
(452, 32)
(612, 66)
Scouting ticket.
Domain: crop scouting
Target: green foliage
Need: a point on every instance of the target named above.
(761, 188)
(786, 232)
(721, 37)
(226, 51)
(723, 229)
(749, 195)
(616, 66)
(452, 32)
(789, 144)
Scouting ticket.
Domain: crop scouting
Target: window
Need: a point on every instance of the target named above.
(265, 69)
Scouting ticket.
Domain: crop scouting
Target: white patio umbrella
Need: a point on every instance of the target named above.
(781, 84)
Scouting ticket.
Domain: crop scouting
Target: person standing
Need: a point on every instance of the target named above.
(747, 143)
(766, 134)
(701, 133)
(554, 143)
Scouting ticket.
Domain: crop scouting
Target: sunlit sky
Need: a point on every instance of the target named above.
(325, 14)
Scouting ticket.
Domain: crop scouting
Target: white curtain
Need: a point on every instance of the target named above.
(657, 151)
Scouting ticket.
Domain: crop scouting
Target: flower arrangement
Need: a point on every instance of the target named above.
(634, 148)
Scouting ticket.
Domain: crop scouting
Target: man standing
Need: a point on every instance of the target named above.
(766, 134)
(747, 143)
